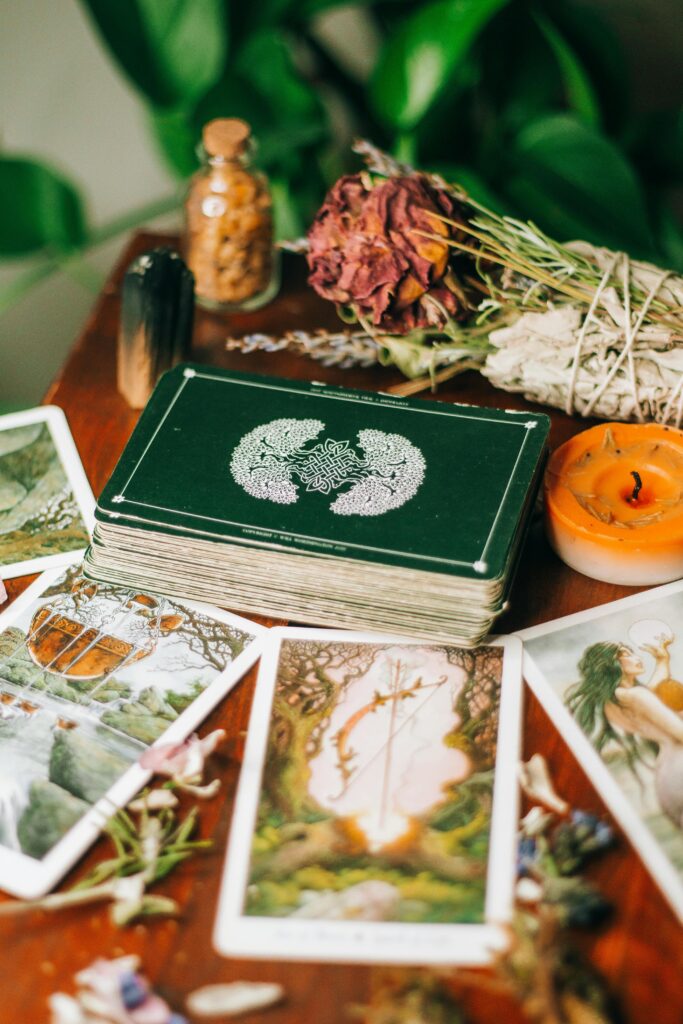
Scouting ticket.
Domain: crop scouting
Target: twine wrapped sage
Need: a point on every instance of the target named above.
(610, 359)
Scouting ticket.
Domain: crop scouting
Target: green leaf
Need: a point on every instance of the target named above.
(178, 139)
(670, 234)
(580, 94)
(576, 183)
(172, 50)
(265, 60)
(264, 88)
(417, 62)
(656, 145)
(39, 209)
(596, 44)
(231, 96)
(473, 184)
(288, 221)
(178, 133)
(279, 140)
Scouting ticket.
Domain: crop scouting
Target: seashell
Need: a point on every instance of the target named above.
(233, 998)
(536, 783)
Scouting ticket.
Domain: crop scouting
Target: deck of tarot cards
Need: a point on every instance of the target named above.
(323, 505)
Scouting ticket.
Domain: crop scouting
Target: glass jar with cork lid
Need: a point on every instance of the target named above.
(229, 223)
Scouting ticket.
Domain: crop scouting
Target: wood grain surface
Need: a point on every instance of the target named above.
(638, 949)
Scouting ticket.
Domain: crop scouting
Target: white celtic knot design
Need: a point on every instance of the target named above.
(327, 466)
(271, 461)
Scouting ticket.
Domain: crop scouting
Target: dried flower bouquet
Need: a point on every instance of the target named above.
(435, 283)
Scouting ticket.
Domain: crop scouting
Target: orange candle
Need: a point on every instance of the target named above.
(614, 503)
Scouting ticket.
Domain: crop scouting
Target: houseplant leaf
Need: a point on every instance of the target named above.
(578, 88)
(417, 61)
(39, 209)
(577, 184)
(171, 50)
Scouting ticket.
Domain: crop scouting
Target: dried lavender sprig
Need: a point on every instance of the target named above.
(380, 162)
(346, 349)
(339, 348)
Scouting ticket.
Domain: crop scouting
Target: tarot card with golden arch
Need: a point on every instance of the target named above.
(91, 675)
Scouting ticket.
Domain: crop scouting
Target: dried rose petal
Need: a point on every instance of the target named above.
(382, 251)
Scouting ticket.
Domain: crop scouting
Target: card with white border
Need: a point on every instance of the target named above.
(46, 505)
(611, 679)
(376, 812)
(91, 675)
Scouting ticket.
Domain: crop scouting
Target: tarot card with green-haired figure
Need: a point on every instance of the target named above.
(46, 505)
(91, 676)
(612, 681)
(376, 813)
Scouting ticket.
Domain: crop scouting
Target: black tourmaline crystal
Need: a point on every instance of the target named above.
(156, 322)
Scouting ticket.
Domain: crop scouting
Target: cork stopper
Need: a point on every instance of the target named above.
(225, 137)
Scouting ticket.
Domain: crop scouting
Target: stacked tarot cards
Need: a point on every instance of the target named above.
(323, 505)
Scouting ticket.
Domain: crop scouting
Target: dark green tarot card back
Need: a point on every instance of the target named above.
(441, 486)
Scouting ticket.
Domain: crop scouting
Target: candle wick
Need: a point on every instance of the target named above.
(639, 483)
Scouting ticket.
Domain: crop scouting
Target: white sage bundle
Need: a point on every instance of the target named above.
(609, 359)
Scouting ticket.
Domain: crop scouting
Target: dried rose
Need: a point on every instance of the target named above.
(369, 249)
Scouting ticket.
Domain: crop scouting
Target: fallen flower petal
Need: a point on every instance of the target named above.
(65, 1010)
(163, 758)
(535, 822)
(183, 762)
(112, 991)
(154, 1010)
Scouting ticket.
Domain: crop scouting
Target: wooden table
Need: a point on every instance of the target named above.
(638, 951)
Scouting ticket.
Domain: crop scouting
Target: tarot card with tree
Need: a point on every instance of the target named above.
(375, 817)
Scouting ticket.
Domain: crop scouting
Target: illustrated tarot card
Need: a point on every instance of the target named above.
(612, 681)
(376, 812)
(90, 676)
(46, 505)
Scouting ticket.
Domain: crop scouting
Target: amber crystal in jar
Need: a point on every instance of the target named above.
(229, 223)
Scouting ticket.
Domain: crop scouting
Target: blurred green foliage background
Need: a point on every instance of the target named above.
(524, 102)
